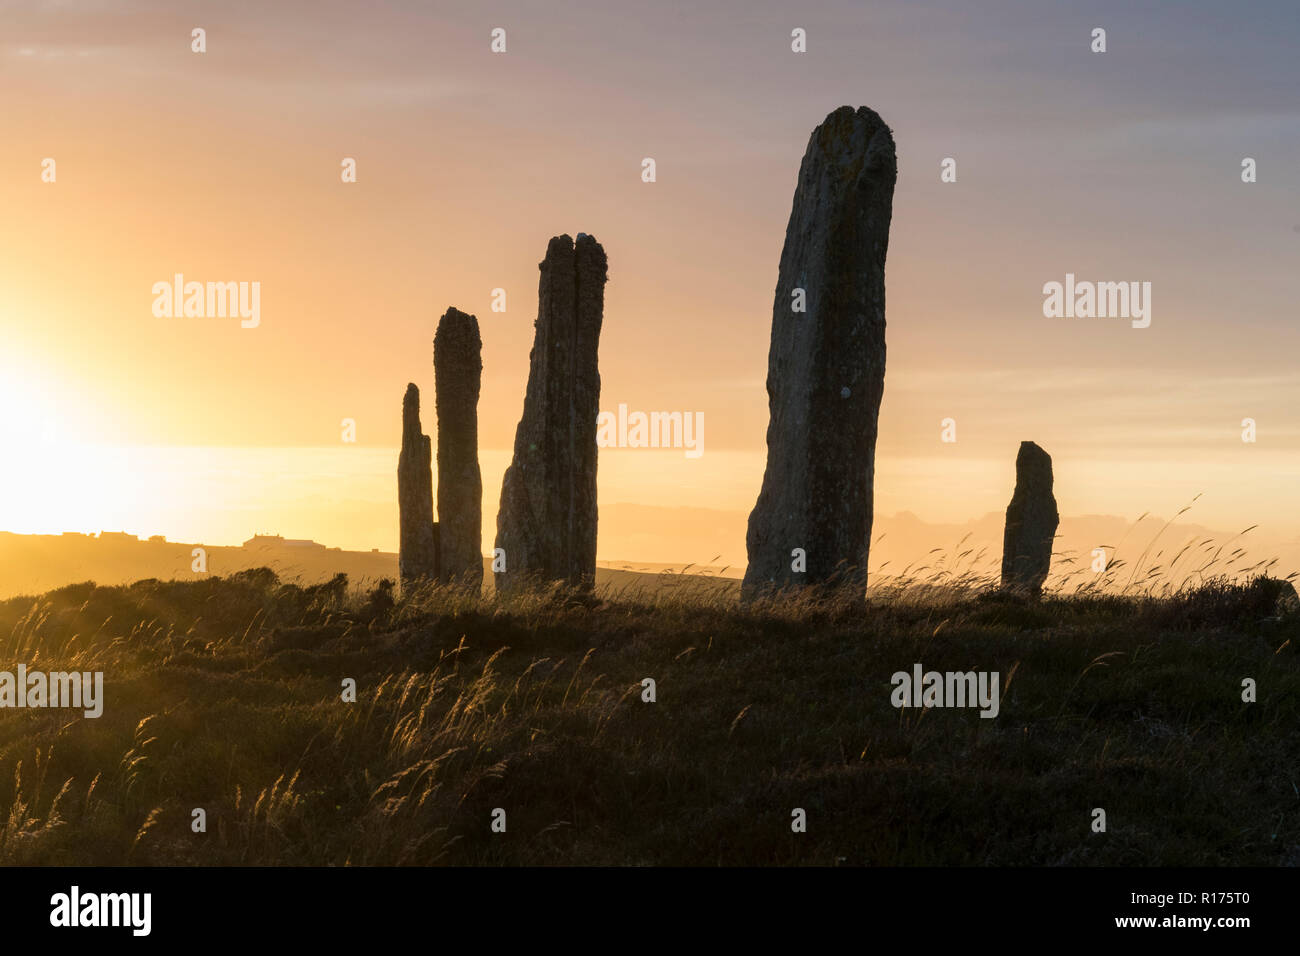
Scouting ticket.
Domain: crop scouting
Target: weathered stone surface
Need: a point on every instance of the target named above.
(458, 369)
(826, 365)
(418, 548)
(1031, 523)
(1288, 601)
(547, 521)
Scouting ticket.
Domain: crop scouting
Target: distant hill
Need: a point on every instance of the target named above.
(666, 540)
(716, 539)
(35, 563)
(31, 564)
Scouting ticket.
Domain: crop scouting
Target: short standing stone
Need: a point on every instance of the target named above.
(458, 367)
(418, 550)
(1032, 519)
(826, 365)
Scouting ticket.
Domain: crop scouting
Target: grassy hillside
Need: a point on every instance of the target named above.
(225, 694)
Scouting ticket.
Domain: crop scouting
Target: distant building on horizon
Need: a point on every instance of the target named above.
(278, 541)
(118, 537)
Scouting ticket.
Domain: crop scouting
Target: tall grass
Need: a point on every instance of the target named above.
(226, 695)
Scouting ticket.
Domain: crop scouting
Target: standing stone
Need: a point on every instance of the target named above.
(458, 368)
(1031, 523)
(826, 363)
(418, 537)
(547, 521)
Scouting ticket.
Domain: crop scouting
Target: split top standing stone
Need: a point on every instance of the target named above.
(546, 525)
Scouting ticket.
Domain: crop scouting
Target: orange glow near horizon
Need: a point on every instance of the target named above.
(226, 167)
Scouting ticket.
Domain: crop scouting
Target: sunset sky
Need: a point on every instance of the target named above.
(225, 166)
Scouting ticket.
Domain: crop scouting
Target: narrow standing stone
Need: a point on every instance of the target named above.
(418, 555)
(826, 364)
(546, 525)
(1031, 523)
(458, 368)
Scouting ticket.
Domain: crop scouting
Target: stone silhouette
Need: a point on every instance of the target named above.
(1031, 523)
(826, 363)
(546, 525)
(458, 369)
(418, 535)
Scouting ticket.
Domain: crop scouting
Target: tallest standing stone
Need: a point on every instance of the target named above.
(826, 365)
